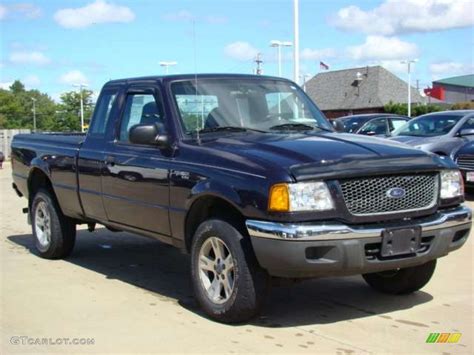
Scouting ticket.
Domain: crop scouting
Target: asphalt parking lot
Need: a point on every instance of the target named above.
(127, 294)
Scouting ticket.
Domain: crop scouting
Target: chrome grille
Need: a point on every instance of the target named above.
(369, 196)
(465, 162)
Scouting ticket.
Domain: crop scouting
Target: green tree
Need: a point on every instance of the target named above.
(69, 110)
(16, 108)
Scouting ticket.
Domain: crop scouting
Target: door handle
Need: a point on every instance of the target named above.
(109, 160)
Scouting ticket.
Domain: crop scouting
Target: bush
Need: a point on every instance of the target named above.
(466, 105)
(416, 109)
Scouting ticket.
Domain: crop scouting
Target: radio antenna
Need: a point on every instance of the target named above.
(198, 123)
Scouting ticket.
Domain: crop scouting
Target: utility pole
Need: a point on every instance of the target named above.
(408, 62)
(81, 86)
(34, 113)
(259, 61)
(296, 41)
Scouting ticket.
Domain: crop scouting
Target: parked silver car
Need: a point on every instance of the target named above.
(441, 132)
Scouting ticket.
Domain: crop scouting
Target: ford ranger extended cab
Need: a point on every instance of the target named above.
(246, 175)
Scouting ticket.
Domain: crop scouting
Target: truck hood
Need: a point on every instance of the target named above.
(320, 155)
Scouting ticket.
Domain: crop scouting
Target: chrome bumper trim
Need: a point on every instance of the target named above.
(335, 231)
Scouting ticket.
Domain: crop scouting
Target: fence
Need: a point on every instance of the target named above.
(6, 136)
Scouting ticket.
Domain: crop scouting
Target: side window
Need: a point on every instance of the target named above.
(102, 113)
(374, 127)
(396, 123)
(469, 124)
(139, 109)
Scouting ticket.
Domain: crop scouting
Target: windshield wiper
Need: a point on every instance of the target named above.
(229, 129)
(298, 127)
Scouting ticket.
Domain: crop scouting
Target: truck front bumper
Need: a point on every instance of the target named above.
(334, 249)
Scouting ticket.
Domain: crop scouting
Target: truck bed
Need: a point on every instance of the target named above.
(54, 154)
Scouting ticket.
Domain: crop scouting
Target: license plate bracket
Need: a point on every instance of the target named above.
(400, 241)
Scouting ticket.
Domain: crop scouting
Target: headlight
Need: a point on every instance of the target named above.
(452, 184)
(303, 196)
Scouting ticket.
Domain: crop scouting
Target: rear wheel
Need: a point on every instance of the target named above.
(402, 281)
(228, 282)
(55, 234)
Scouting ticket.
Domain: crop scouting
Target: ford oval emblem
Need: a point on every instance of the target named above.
(396, 192)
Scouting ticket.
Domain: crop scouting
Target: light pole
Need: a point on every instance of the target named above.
(305, 77)
(34, 113)
(81, 86)
(296, 41)
(278, 44)
(167, 65)
(409, 62)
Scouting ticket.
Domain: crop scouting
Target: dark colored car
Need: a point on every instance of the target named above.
(373, 124)
(464, 158)
(245, 174)
(439, 132)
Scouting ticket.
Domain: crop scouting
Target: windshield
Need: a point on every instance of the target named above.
(428, 126)
(352, 124)
(264, 105)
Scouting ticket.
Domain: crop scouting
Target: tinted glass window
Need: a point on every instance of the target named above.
(264, 105)
(428, 125)
(374, 127)
(352, 124)
(102, 113)
(139, 109)
(397, 123)
(469, 124)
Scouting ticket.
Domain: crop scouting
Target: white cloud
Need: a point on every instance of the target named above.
(3, 12)
(100, 11)
(26, 10)
(73, 77)
(395, 66)
(404, 16)
(383, 48)
(447, 69)
(5, 85)
(241, 51)
(31, 81)
(182, 15)
(29, 57)
(317, 54)
(187, 16)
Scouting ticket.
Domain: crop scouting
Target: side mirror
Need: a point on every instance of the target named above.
(148, 134)
(466, 132)
(338, 125)
(370, 133)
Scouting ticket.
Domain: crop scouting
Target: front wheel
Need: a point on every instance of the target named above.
(228, 282)
(401, 281)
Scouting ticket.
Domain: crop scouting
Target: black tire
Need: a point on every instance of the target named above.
(251, 282)
(62, 229)
(402, 281)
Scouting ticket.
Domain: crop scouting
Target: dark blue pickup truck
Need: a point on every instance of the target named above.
(245, 174)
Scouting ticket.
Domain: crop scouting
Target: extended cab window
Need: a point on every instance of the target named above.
(102, 113)
(139, 109)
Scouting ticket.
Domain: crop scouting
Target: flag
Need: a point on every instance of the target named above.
(323, 66)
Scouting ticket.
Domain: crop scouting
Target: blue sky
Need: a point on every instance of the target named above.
(52, 44)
